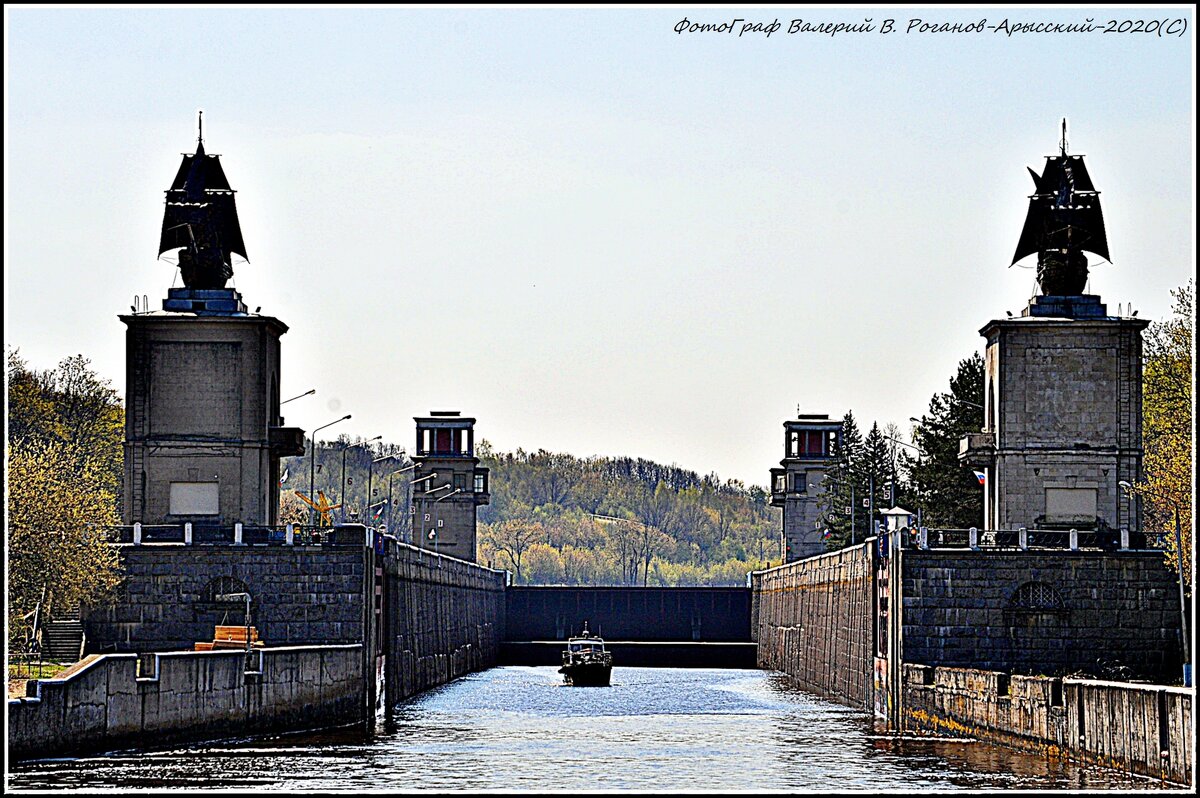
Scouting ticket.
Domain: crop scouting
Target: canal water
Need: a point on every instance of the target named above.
(520, 728)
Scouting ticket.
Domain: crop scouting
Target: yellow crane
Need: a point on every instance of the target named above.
(322, 506)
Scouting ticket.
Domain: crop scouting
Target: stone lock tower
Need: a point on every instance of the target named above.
(203, 431)
(448, 484)
(796, 487)
(1063, 401)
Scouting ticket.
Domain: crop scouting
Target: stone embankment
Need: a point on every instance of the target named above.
(1141, 729)
(119, 700)
(814, 620)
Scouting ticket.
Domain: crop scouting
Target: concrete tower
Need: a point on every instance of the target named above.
(447, 484)
(796, 487)
(1063, 402)
(1063, 418)
(203, 433)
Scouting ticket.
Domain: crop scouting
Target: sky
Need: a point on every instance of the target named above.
(591, 233)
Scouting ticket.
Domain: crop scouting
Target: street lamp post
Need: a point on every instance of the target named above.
(344, 448)
(371, 477)
(312, 465)
(435, 524)
(389, 493)
(412, 504)
(309, 392)
(424, 496)
(1128, 488)
(240, 597)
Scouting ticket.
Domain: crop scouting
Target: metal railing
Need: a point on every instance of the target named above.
(194, 534)
(1029, 538)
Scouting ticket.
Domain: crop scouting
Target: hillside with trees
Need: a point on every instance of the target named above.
(558, 519)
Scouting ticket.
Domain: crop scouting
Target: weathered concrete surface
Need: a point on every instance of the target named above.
(709, 614)
(202, 394)
(1143, 729)
(1064, 404)
(108, 703)
(442, 618)
(814, 621)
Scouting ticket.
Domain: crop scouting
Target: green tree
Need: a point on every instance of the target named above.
(944, 490)
(1167, 425)
(513, 539)
(64, 480)
(844, 488)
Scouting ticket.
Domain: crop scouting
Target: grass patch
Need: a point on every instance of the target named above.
(20, 673)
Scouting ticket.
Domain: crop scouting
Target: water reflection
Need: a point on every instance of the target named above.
(520, 728)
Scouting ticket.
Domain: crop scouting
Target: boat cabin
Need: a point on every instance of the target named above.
(583, 645)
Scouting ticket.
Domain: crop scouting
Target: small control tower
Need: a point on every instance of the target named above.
(808, 445)
(448, 484)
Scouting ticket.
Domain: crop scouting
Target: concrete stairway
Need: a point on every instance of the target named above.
(62, 639)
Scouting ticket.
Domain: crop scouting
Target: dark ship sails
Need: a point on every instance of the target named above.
(1063, 222)
(201, 222)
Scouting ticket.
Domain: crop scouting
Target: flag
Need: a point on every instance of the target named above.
(283, 478)
(982, 477)
(379, 510)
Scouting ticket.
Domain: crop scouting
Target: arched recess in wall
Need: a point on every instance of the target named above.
(224, 613)
(1037, 622)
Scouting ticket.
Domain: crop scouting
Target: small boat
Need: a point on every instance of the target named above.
(585, 662)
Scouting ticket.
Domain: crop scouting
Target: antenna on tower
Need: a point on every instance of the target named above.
(1063, 144)
(200, 127)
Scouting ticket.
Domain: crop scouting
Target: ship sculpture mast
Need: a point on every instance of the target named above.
(1063, 222)
(201, 220)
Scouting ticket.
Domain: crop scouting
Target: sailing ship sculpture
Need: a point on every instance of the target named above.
(201, 221)
(1063, 222)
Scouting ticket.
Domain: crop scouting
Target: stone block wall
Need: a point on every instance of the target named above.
(443, 618)
(300, 595)
(1143, 729)
(1042, 612)
(802, 539)
(1064, 402)
(814, 620)
(115, 700)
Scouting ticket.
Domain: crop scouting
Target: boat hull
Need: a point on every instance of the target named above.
(587, 674)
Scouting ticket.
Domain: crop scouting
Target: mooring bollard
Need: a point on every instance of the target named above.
(137, 533)
(973, 538)
(187, 534)
(237, 534)
(1023, 538)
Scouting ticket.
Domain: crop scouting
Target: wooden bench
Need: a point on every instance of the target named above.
(230, 637)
